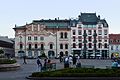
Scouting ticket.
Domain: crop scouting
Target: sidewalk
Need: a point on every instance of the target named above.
(7, 67)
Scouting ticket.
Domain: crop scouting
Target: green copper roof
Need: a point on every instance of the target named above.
(54, 23)
(88, 18)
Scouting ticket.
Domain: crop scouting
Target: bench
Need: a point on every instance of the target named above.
(49, 66)
(87, 66)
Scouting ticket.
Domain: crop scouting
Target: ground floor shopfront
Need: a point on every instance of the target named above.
(92, 53)
(36, 53)
(114, 54)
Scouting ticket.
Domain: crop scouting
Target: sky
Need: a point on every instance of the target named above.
(20, 12)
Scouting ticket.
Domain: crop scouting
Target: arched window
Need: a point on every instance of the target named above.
(65, 34)
(42, 46)
(74, 45)
(61, 46)
(80, 45)
(105, 45)
(29, 37)
(51, 46)
(61, 35)
(61, 54)
(21, 46)
(30, 46)
(36, 46)
(66, 46)
(66, 53)
(90, 45)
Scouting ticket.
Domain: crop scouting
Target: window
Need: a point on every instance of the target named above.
(118, 40)
(99, 45)
(66, 46)
(66, 53)
(61, 46)
(36, 46)
(105, 45)
(99, 38)
(105, 32)
(65, 34)
(111, 41)
(105, 40)
(42, 47)
(116, 47)
(30, 46)
(35, 38)
(21, 46)
(73, 32)
(80, 45)
(90, 45)
(79, 26)
(84, 31)
(89, 32)
(51, 46)
(99, 26)
(114, 40)
(29, 37)
(41, 38)
(95, 31)
(79, 38)
(111, 47)
(99, 32)
(73, 24)
(79, 32)
(90, 38)
(74, 45)
(61, 35)
(73, 38)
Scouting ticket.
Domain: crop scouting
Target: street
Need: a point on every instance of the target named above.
(31, 66)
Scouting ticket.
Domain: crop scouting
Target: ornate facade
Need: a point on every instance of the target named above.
(114, 47)
(86, 36)
(90, 37)
(49, 36)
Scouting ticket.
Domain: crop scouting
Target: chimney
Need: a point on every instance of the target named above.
(99, 17)
(55, 18)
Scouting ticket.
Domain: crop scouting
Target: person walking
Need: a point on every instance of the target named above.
(60, 59)
(39, 64)
(115, 64)
(70, 61)
(66, 62)
(78, 63)
(74, 60)
(45, 64)
(24, 60)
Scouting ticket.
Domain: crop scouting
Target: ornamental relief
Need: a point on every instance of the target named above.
(38, 29)
(29, 28)
(35, 28)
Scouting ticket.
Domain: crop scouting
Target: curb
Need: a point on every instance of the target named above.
(73, 78)
(9, 67)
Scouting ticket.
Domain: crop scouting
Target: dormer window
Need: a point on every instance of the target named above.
(79, 26)
(99, 26)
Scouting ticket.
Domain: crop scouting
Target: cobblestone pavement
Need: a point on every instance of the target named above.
(30, 67)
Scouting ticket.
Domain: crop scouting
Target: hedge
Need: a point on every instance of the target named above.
(79, 72)
(7, 61)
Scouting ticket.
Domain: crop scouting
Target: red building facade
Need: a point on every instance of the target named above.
(114, 47)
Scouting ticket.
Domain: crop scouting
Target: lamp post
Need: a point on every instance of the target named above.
(95, 41)
(21, 46)
(85, 41)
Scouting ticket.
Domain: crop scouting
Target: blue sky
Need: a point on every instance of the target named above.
(21, 11)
